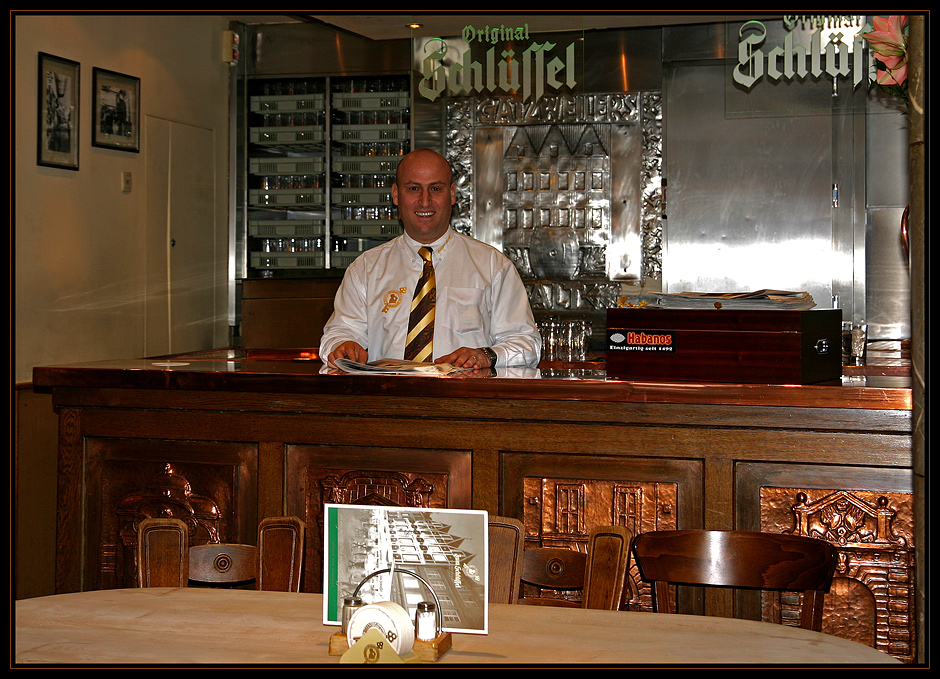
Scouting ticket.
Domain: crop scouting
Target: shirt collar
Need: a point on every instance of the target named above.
(438, 245)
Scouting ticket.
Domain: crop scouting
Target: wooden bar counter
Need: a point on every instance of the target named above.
(225, 438)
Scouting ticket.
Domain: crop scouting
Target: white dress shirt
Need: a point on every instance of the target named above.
(481, 301)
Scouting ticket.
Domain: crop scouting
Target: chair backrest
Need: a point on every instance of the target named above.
(165, 559)
(223, 564)
(162, 553)
(600, 573)
(281, 553)
(553, 568)
(738, 559)
(608, 557)
(506, 543)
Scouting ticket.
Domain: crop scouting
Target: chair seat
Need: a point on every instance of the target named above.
(546, 601)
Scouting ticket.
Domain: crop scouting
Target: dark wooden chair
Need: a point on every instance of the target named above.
(165, 559)
(506, 543)
(737, 559)
(599, 574)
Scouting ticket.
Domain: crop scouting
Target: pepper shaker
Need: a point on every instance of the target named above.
(351, 604)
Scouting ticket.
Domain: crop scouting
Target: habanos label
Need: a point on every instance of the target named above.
(645, 341)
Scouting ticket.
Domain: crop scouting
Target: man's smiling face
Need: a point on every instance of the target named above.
(424, 193)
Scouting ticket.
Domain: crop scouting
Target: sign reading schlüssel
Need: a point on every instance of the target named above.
(830, 52)
(529, 72)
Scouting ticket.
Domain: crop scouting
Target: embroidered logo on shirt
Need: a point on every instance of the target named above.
(393, 298)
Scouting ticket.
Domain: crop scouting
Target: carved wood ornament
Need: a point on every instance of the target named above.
(167, 495)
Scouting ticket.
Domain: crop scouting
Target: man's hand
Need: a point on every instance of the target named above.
(465, 357)
(351, 350)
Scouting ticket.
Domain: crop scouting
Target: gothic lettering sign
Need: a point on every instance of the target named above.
(560, 108)
(510, 63)
(836, 49)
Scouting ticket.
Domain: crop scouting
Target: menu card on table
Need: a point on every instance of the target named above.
(444, 550)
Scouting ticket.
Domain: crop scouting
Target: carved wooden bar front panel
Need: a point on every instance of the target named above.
(562, 512)
(872, 595)
(318, 475)
(562, 455)
(209, 485)
(562, 497)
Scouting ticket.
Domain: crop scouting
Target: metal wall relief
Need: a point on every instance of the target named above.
(560, 512)
(569, 187)
(168, 494)
(872, 596)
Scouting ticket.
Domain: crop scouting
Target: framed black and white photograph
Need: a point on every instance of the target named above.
(416, 554)
(115, 110)
(58, 112)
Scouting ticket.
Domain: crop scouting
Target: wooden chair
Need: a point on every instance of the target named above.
(599, 574)
(506, 546)
(165, 559)
(737, 559)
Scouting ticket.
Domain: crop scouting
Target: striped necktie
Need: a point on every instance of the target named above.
(421, 321)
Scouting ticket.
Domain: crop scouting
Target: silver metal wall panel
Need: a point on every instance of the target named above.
(571, 198)
(748, 199)
(888, 279)
(887, 270)
(488, 186)
(887, 137)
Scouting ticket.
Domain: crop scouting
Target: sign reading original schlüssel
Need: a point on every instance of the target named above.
(511, 64)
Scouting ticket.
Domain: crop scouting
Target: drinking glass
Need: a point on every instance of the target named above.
(854, 343)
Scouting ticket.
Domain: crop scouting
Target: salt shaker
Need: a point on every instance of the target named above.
(425, 621)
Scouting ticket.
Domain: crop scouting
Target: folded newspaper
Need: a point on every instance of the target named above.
(394, 366)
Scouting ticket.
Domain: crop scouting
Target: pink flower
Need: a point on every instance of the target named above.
(895, 71)
(888, 38)
(888, 42)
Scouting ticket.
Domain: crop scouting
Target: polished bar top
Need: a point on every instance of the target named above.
(300, 371)
(195, 625)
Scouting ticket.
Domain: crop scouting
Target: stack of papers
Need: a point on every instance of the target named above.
(759, 299)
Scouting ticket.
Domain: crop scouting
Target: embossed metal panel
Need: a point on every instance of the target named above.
(210, 485)
(570, 190)
(560, 512)
(872, 597)
(369, 476)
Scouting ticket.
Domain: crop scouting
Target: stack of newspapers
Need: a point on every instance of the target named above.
(759, 299)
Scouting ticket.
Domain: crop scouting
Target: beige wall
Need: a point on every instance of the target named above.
(81, 244)
(83, 247)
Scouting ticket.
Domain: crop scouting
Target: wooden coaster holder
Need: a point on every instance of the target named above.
(429, 650)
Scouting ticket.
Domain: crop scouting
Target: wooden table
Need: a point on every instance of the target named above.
(190, 625)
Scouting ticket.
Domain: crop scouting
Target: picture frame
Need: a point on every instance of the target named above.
(115, 111)
(57, 132)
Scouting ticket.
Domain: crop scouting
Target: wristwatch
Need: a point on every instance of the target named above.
(490, 354)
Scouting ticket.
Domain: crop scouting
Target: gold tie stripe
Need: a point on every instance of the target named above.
(418, 345)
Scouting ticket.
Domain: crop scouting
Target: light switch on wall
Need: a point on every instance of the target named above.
(126, 182)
